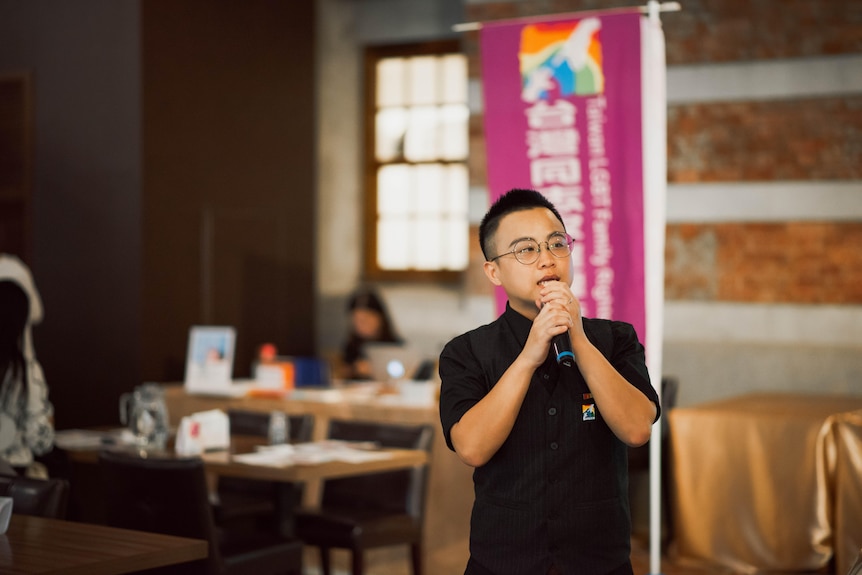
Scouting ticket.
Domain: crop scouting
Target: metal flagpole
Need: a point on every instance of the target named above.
(654, 113)
(662, 7)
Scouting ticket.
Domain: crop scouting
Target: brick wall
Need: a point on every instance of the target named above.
(810, 139)
(784, 139)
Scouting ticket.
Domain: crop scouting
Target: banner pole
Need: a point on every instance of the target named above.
(662, 7)
(655, 208)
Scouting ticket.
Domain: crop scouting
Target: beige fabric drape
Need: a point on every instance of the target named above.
(845, 430)
(768, 482)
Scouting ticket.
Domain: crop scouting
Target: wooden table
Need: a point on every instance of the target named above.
(450, 489)
(38, 545)
(768, 482)
(222, 463)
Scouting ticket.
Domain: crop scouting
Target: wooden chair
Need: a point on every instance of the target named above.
(170, 496)
(268, 503)
(40, 497)
(375, 510)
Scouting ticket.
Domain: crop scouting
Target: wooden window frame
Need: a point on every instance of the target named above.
(371, 270)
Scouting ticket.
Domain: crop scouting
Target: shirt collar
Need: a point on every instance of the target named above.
(519, 324)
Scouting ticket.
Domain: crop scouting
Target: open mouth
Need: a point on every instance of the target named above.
(547, 279)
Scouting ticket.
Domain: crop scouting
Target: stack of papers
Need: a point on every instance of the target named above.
(71, 439)
(312, 454)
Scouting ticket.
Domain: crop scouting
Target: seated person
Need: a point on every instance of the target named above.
(369, 322)
(26, 415)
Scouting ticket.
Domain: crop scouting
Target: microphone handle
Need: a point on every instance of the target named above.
(562, 345)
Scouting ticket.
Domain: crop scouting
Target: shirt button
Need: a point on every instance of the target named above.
(552, 411)
(546, 376)
(554, 445)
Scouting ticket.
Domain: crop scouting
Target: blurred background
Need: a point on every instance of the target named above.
(165, 164)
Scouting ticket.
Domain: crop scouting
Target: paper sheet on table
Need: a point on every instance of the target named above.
(72, 439)
(309, 454)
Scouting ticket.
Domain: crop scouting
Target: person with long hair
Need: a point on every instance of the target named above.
(369, 322)
(26, 415)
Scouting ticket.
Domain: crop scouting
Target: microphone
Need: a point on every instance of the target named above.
(562, 345)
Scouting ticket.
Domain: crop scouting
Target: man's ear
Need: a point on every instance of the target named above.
(492, 272)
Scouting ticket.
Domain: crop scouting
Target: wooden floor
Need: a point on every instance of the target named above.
(640, 564)
(378, 564)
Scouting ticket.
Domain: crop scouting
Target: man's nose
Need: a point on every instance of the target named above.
(545, 256)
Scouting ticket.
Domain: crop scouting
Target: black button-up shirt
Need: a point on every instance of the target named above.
(556, 492)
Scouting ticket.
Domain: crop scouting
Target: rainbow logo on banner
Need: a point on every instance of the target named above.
(563, 58)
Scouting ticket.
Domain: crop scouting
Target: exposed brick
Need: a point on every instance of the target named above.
(794, 262)
(818, 139)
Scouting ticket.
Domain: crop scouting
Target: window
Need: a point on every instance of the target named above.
(417, 184)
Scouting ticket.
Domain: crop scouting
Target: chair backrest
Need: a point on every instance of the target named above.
(159, 495)
(401, 491)
(247, 422)
(669, 392)
(41, 497)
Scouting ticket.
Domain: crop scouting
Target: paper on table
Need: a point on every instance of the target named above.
(72, 439)
(309, 454)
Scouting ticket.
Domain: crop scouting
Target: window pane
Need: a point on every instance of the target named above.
(420, 142)
(456, 191)
(430, 188)
(391, 83)
(393, 247)
(454, 130)
(391, 123)
(423, 80)
(429, 244)
(393, 190)
(457, 248)
(454, 72)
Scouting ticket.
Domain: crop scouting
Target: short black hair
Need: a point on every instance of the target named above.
(515, 200)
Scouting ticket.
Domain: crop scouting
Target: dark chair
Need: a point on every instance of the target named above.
(170, 496)
(639, 457)
(374, 510)
(268, 503)
(41, 497)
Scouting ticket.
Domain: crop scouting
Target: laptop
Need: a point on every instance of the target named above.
(392, 361)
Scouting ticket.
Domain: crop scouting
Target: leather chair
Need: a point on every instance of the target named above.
(639, 457)
(375, 510)
(264, 503)
(41, 497)
(170, 496)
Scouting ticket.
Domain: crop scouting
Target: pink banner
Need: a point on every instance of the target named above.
(563, 116)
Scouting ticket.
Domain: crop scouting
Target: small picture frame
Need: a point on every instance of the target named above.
(209, 363)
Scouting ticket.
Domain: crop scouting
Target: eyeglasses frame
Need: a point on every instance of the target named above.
(569, 242)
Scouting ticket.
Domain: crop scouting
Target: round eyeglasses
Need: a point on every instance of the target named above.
(527, 251)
